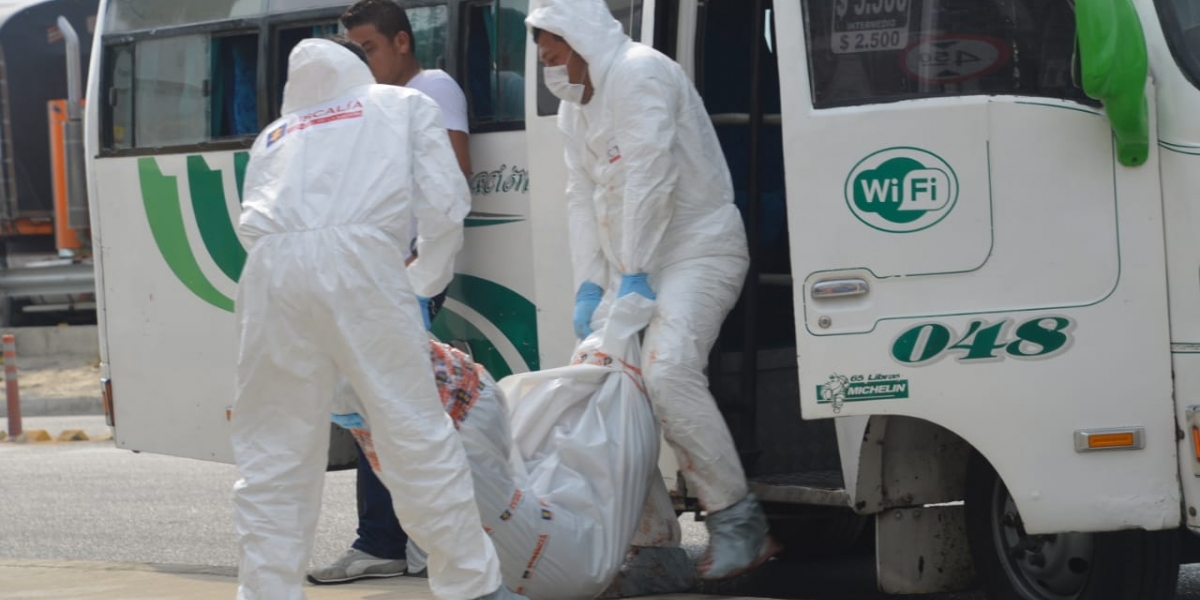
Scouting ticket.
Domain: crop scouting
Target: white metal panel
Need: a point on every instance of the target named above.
(1075, 265)
(1179, 156)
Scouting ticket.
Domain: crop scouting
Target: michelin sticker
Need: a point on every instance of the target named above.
(840, 389)
(869, 25)
(901, 190)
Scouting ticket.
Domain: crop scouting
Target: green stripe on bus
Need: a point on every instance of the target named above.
(513, 314)
(212, 217)
(240, 160)
(160, 195)
(450, 326)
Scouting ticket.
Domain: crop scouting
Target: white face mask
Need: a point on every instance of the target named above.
(558, 81)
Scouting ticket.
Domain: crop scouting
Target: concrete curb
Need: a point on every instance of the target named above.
(32, 436)
(83, 406)
(42, 437)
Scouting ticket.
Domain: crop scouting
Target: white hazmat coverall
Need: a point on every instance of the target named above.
(329, 191)
(649, 192)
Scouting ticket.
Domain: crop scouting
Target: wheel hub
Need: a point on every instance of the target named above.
(1041, 567)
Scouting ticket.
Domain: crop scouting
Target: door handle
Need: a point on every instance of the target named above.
(839, 288)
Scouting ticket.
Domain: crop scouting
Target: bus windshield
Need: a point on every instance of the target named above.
(870, 51)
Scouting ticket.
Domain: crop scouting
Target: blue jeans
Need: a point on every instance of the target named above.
(379, 532)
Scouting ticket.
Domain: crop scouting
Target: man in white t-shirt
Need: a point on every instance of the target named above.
(383, 31)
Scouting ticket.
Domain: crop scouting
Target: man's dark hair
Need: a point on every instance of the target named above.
(388, 17)
(349, 44)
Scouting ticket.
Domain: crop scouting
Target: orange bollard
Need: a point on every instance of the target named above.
(10, 386)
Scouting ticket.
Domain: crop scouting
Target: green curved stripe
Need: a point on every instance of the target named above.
(450, 326)
(240, 160)
(212, 217)
(509, 311)
(160, 195)
(1115, 66)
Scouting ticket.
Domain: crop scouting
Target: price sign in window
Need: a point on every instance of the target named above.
(869, 25)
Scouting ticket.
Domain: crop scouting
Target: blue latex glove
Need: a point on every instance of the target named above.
(350, 421)
(586, 300)
(425, 312)
(636, 284)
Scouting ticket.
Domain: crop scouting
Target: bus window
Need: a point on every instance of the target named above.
(234, 93)
(286, 39)
(495, 62)
(1181, 24)
(863, 52)
(430, 29)
(181, 91)
(125, 16)
(170, 78)
(629, 13)
(120, 98)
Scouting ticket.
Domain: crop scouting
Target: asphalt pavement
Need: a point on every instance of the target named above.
(151, 516)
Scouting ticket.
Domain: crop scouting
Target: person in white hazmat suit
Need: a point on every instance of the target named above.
(329, 191)
(650, 205)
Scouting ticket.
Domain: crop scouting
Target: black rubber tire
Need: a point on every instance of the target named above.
(1121, 565)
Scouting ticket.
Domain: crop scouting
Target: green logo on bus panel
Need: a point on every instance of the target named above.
(901, 189)
(840, 389)
(512, 318)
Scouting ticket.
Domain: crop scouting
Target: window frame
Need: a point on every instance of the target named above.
(107, 112)
(266, 27)
(212, 30)
(1187, 61)
(257, 33)
(464, 30)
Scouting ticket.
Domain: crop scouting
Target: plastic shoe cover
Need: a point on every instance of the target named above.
(652, 570)
(503, 594)
(738, 540)
(356, 564)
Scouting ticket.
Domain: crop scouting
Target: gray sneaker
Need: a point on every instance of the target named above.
(355, 565)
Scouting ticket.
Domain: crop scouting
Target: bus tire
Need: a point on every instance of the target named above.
(1013, 565)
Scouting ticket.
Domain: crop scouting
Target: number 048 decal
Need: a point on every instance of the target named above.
(1036, 338)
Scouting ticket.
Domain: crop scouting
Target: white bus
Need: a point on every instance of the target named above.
(973, 313)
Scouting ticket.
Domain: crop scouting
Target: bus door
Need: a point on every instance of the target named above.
(972, 245)
(731, 48)
(1175, 62)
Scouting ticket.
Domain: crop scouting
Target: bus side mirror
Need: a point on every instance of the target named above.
(1115, 67)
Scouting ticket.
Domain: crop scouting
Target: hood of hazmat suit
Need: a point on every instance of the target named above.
(329, 192)
(648, 185)
(326, 90)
